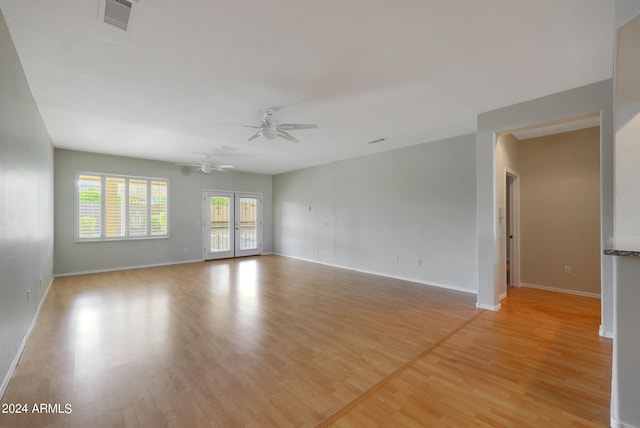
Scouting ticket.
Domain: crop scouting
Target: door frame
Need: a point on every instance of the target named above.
(234, 231)
(513, 226)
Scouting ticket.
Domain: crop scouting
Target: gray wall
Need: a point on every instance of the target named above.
(625, 11)
(594, 98)
(185, 241)
(411, 204)
(26, 205)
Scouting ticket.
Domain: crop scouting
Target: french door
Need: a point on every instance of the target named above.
(232, 224)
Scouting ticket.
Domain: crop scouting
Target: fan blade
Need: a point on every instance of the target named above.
(219, 168)
(291, 126)
(287, 136)
(250, 126)
(256, 135)
(236, 124)
(197, 165)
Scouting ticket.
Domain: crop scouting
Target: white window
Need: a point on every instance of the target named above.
(111, 207)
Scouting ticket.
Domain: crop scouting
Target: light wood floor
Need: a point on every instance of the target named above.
(270, 341)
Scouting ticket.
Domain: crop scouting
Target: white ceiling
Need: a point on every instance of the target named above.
(170, 86)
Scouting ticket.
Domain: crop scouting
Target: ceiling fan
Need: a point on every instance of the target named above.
(270, 129)
(207, 166)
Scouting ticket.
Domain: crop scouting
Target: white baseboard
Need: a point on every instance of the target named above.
(495, 308)
(616, 424)
(603, 333)
(16, 358)
(503, 296)
(386, 275)
(561, 290)
(85, 272)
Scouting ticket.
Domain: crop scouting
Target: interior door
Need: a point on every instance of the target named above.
(232, 224)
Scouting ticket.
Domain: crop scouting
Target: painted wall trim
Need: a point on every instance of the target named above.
(16, 359)
(85, 272)
(605, 334)
(401, 278)
(616, 424)
(515, 218)
(495, 308)
(561, 290)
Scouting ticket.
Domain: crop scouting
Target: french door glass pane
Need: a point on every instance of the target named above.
(220, 226)
(248, 227)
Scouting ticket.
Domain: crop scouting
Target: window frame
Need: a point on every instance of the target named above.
(103, 203)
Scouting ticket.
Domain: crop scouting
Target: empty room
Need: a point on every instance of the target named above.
(299, 214)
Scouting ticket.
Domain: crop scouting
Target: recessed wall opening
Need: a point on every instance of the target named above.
(548, 204)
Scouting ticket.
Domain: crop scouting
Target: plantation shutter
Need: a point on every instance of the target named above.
(89, 206)
(137, 207)
(115, 208)
(158, 208)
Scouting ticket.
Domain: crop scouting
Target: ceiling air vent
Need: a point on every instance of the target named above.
(116, 12)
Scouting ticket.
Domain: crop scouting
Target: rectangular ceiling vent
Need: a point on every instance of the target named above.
(116, 12)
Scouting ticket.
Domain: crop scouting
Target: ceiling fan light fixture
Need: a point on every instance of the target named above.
(269, 133)
(269, 129)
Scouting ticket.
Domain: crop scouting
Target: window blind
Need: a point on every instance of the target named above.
(89, 206)
(113, 207)
(159, 193)
(138, 207)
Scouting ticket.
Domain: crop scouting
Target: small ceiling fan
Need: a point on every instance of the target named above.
(207, 166)
(270, 129)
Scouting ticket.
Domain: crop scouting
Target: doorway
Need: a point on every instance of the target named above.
(232, 224)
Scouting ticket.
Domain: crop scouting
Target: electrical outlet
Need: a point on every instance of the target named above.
(419, 262)
(567, 269)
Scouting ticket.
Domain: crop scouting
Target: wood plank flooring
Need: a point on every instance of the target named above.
(270, 341)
